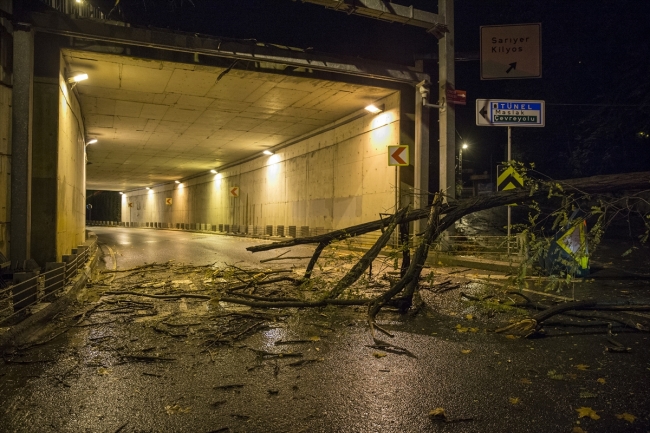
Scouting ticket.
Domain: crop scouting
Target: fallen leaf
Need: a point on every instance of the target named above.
(469, 317)
(465, 351)
(511, 337)
(460, 328)
(600, 380)
(176, 409)
(584, 412)
(626, 416)
(438, 414)
(314, 338)
(582, 366)
(587, 394)
(553, 375)
(104, 371)
(473, 330)
(514, 400)
(525, 380)
(578, 430)
(379, 354)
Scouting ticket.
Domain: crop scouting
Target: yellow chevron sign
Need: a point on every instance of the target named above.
(508, 178)
(574, 243)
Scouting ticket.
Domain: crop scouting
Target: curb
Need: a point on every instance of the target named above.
(22, 330)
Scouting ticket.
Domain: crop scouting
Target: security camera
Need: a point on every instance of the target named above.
(423, 87)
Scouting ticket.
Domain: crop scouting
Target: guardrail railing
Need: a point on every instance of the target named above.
(28, 289)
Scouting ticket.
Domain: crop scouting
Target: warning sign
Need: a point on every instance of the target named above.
(130, 204)
(398, 155)
(168, 201)
(508, 178)
(234, 191)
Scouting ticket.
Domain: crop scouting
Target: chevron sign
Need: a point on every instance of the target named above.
(508, 178)
(398, 155)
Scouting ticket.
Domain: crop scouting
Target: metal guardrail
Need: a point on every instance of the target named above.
(28, 289)
(486, 247)
(78, 8)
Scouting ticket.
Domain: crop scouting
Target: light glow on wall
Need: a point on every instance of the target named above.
(217, 180)
(273, 168)
(381, 133)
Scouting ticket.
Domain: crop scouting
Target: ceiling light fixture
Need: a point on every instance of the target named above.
(177, 181)
(267, 152)
(121, 193)
(148, 189)
(213, 171)
(374, 109)
(91, 141)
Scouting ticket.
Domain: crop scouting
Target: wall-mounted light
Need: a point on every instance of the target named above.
(267, 152)
(91, 141)
(213, 171)
(148, 189)
(76, 77)
(374, 109)
(121, 193)
(177, 181)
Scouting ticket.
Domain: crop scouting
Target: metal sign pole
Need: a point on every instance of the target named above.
(509, 207)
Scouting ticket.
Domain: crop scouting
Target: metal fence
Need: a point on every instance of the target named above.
(29, 289)
(77, 8)
(486, 247)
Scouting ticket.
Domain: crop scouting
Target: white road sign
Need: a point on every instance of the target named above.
(511, 51)
(509, 112)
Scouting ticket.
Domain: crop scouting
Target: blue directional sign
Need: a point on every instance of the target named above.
(509, 112)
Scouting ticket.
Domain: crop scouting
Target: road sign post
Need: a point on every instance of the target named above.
(510, 112)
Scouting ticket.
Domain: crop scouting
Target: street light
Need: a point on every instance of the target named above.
(460, 159)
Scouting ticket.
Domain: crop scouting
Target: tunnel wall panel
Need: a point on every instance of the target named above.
(71, 178)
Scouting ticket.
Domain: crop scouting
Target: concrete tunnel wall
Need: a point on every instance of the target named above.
(336, 178)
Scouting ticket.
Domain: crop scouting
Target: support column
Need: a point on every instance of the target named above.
(447, 113)
(21, 144)
(421, 160)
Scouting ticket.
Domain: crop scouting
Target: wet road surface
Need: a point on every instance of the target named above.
(127, 376)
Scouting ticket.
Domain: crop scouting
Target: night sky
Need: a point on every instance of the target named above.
(595, 67)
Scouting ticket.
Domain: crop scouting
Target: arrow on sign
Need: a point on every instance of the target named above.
(396, 155)
(513, 65)
(483, 112)
(234, 192)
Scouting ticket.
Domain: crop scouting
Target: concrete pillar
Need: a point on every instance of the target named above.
(421, 160)
(448, 113)
(21, 144)
(45, 151)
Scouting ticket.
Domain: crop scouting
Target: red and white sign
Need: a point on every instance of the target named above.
(398, 155)
(457, 97)
(168, 201)
(234, 191)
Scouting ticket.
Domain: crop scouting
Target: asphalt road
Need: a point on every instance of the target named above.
(485, 382)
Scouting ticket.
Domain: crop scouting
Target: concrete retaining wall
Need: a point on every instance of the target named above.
(332, 179)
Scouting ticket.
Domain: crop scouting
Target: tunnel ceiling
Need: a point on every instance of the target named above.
(158, 121)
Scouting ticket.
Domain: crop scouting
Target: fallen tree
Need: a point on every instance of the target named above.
(442, 216)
